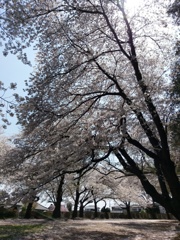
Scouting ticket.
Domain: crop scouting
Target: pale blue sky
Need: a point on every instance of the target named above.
(13, 70)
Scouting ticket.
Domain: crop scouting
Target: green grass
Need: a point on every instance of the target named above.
(12, 232)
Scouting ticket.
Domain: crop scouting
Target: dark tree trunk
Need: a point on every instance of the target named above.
(78, 194)
(171, 204)
(128, 209)
(57, 209)
(75, 210)
(28, 210)
(168, 215)
(95, 204)
(81, 210)
(157, 138)
(95, 209)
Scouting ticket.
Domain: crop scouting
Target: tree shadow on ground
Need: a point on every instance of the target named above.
(144, 225)
(10, 232)
(97, 235)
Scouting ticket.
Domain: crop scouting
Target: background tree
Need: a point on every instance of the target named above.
(53, 192)
(175, 91)
(125, 190)
(31, 200)
(7, 105)
(59, 198)
(4, 197)
(98, 190)
(174, 11)
(77, 190)
(175, 125)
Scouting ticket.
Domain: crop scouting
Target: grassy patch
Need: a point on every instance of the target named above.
(8, 232)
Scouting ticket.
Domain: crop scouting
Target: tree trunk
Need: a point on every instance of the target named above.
(75, 210)
(57, 209)
(171, 204)
(128, 209)
(28, 210)
(81, 210)
(95, 203)
(95, 209)
(168, 215)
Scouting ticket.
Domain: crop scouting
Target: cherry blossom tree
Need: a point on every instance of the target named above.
(98, 191)
(174, 11)
(175, 91)
(77, 192)
(7, 105)
(126, 190)
(104, 71)
(84, 188)
(5, 145)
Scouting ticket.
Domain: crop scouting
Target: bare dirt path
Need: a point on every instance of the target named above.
(97, 229)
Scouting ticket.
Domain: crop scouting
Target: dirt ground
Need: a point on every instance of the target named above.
(97, 229)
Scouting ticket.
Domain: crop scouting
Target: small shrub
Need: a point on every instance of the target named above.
(8, 213)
